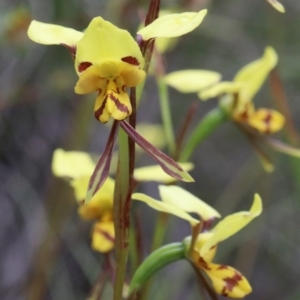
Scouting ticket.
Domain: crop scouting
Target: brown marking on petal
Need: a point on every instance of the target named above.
(105, 234)
(222, 267)
(267, 120)
(206, 225)
(203, 264)
(131, 60)
(83, 66)
(124, 88)
(72, 49)
(99, 111)
(231, 282)
(118, 91)
(121, 107)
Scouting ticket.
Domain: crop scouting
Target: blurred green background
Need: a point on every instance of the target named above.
(44, 246)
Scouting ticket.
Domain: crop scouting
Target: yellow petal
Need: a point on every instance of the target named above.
(155, 173)
(49, 34)
(277, 5)
(227, 281)
(191, 81)
(266, 120)
(114, 103)
(131, 75)
(255, 73)
(209, 255)
(182, 199)
(103, 236)
(80, 186)
(72, 164)
(224, 87)
(173, 25)
(90, 81)
(102, 41)
(164, 207)
(232, 224)
(163, 45)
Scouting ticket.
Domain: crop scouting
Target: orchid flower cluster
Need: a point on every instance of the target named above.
(110, 62)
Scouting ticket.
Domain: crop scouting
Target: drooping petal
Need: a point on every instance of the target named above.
(165, 207)
(232, 224)
(72, 164)
(192, 81)
(218, 89)
(103, 236)
(173, 25)
(155, 173)
(186, 201)
(255, 73)
(171, 167)
(277, 5)
(227, 281)
(102, 42)
(101, 170)
(266, 120)
(49, 34)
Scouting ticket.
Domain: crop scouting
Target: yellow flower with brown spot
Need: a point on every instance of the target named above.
(78, 167)
(107, 59)
(201, 249)
(237, 96)
(226, 280)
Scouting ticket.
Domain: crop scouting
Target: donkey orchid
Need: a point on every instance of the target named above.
(107, 58)
(200, 252)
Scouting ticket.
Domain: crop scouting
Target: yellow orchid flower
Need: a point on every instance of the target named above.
(107, 58)
(226, 280)
(78, 166)
(237, 95)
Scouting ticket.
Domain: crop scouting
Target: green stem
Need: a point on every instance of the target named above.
(205, 127)
(154, 262)
(166, 113)
(121, 215)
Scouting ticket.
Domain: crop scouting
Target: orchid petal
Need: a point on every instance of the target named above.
(165, 207)
(104, 42)
(49, 34)
(224, 87)
(101, 171)
(172, 25)
(227, 281)
(255, 73)
(90, 81)
(186, 201)
(266, 120)
(171, 167)
(277, 5)
(191, 81)
(155, 173)
(72, 164)
(103, 236)
(232, 224)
